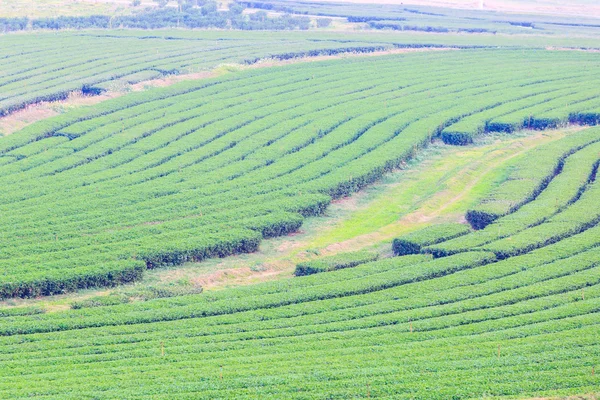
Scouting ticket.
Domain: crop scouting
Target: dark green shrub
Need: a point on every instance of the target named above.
(339, 261)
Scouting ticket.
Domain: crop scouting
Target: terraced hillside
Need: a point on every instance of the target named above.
(476, 324)
(42, 66)
(209, 168)
(138, 257)
(48, 67)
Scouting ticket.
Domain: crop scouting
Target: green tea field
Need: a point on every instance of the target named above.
(299, 200)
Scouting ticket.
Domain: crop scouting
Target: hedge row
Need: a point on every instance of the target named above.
(412, 243)
(68, 280)
(566, 194)
(461, 307)
(126, 59)
(331, 263)
(547, 99)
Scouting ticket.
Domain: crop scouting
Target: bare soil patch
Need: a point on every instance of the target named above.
(239, 276)
(172, 79)
(36, 112)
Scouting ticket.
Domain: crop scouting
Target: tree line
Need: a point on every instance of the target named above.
(196, 14)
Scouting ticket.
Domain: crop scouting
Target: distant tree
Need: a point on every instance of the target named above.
(187, 4)
(209, 8)
(136, 3)
(323, 22)
(259, 16)
(13, 24)
(186, 15)
(236, 8)
(302, 23)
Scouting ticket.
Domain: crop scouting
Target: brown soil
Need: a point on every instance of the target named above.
(36, 112)
(172, 79)
(240, 276)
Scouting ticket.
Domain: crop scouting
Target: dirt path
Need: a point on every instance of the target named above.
(434, 208)
(37, 112)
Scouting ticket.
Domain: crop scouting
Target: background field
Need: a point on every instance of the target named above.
(49, 8)
(52, 8)
(114, 64)
(149, 156)
(587, 8)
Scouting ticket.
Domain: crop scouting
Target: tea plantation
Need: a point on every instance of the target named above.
(502, 301)
(507, 318)
(209, 168)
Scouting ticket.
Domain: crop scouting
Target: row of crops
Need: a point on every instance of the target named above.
(37, 67)
(209, 168)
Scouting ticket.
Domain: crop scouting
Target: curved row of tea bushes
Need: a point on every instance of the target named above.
(554, 102)
(59, 64)
(576, 218)
(413, 242)
(332, 263)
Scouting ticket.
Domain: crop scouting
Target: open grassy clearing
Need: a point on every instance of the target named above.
(442, 194)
